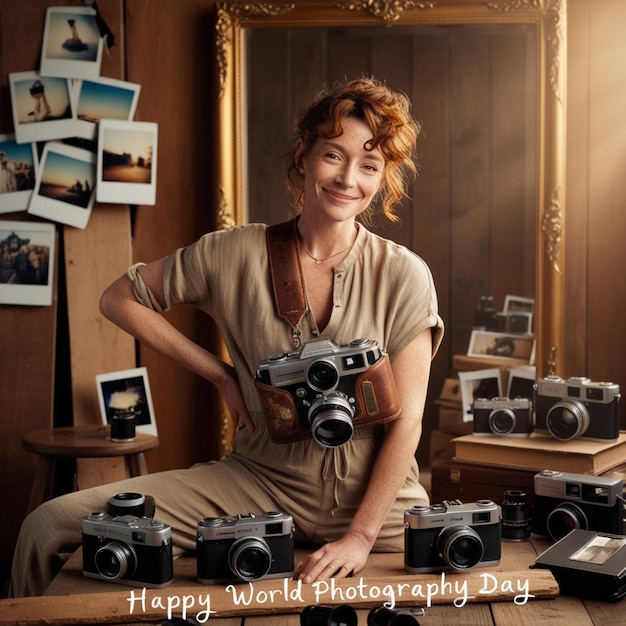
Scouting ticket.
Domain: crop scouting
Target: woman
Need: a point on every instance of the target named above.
(354, 148)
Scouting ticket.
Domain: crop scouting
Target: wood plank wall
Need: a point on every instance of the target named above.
(166, 47)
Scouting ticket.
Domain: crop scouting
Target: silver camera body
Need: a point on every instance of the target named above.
(245, 547)
(503, 417)
(452, 536)
(135, 551)
(565, 501)
(577, 408)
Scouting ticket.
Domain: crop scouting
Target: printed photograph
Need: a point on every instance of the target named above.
(521, 382)
(103, 98)
(485, 383)
(17, 174)
(42, 107)
(72, 44)
(66, 190)
(127, 391)
(26, 262)
(127, 162)
(485, 343)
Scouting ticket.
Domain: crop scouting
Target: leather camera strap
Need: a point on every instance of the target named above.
(287, 279)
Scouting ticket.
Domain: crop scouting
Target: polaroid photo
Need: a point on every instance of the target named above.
(517, 304)
(127, 390)
(492, 344)
(18, 169)
(127, 159)
(521, 382)
(103, 98)
(72, 44)
(65, 190)
(485, 383)
(43, 107)
(27, 252)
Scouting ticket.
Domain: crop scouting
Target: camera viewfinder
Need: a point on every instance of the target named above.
(274, 529)
(354, 361)
(481, 517)
(572, 490)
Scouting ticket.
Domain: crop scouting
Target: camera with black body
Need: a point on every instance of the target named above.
(126, 549)
(577, 408)
(503, 416)
(588, 564)
(326, 390)
(452, 536)
(565, 502)
(245, 547)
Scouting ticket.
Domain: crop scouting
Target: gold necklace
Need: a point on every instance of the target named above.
(320, 261)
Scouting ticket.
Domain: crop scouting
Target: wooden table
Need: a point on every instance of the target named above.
(498, 609)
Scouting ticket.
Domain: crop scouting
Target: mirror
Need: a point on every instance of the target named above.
(522, 44)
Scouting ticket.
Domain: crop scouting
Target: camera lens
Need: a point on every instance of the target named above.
(567, 420)
(460, 547)
(127, 504)
(115, 560)
(323, 615)
(565, 518)
(330, 418)
(250, 558)
(515, 516)
(502, 421)
(389, 617)
(322, 375)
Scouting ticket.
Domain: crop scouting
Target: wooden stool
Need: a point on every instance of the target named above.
(80, 442)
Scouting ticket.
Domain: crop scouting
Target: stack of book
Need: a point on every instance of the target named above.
(539, 452)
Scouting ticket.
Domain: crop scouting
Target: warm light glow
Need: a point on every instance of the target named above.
(123, 400)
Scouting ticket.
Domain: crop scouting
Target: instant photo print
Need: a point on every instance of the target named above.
(490, 344)
(27, 250)
(127, 158)
(65, 191)
(42, 106)
(478, 384)
(18, 165)
(72, 44)
(103, 98)
(588, 564)
(127, 391)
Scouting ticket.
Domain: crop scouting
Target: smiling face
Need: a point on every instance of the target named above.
(341, 175)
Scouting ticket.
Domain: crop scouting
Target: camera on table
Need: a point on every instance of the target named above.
(326, 390)
(503, 416)
(135, 551)
(577, 408)
(245, 547)
(452, 536)
(566, 502)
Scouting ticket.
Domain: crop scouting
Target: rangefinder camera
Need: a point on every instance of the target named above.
(502, 416)
(565, 502)
(245, 547)
(452, 536)
(326, 390)
(135, 551)
(577, 408)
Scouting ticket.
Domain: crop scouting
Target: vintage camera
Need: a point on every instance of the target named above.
(245, 547)
(564, 502)
(326, 390)
(503, 416)
(452, 536)
(577, 408)
(588, 564)
(135, 551)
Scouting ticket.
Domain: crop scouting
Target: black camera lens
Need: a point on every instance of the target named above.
(460, 546)
(390, 617)
(127, 504)
(502, 421)
(566, 517)
(115, 560)
(330, 418)
(567, 420)
(322, 375)
(250, 558)
(323, 615)
(516, 516)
